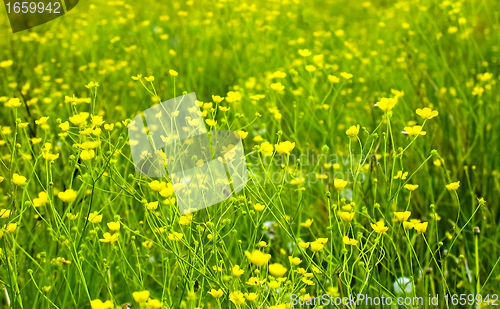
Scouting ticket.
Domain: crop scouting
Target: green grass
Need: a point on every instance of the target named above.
(437, 53)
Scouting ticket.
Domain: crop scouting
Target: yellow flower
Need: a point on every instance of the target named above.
(147, 244)
(107, 237)
(426, 113)
(109, 126)
(172, 72)
(413, 222)
(307, 223)
(4, 213)
(402, 215)
(397, 93)
(242, 134)
(453, 186)
(92, 85)
(175, 236)
(258, 258)
(277, 87)
(186, 219)
(250, 296)
(258, 139)
(6, 63)
(64, 126)
(236, 298)
(233, 96)
(168, 190)
(266, 149)
(137, 77)
(339, 184)
(307, 281)
(193, 122)
(333, 79)
(346, 75)
(349, 241)
(294, 260)
(18, 179)
(114, 226)
(141, 297)
(87, 154)
(216, 293)
(304, 52)
(421, 227)
(149, 79)
(98, 304)
(274, 284)
(152, 205)
(346, 216)
(236, 271)
(46, 153)
(401, 175)
(157, 186)
(217, 99)
(284, 147)
(435, 216)
(254, 281)
(316, 246)
(478, 90)
(408, 225)
(322, 240)
(259, 206)
(6, 130)
(411, 187)
(42, 122)
(257, 97)
(379, 227)
(310, 68)
(11, 227)
(277, 270)
(415, 130)
(67, 196)
(154, 304)
(96, 120)
(79, 119)
(89, 145)
(14, 102)
(159, 230)
(95, 217)
(41, 200)
(304, 245)
(353, 131)
(211, 122)
(386, 104)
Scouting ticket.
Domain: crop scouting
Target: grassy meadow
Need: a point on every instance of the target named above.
(371, 134)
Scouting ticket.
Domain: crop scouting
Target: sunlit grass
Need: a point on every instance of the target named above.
(371, 138)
